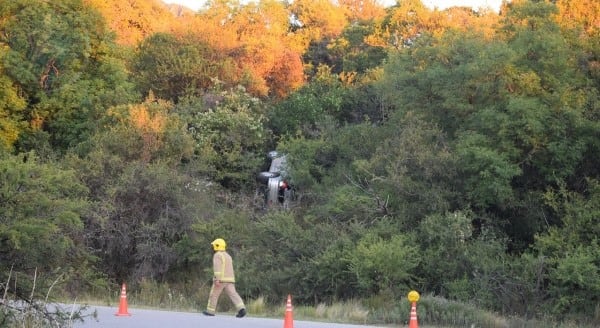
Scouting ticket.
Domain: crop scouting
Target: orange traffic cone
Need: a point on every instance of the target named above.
(413, 316)
(288, 321)
(123, 303)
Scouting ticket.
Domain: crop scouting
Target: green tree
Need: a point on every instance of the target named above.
(487, 172)
(382, 264)
(144, 203)
(41, 226)
(172, 68)
(298, 255)
(228, 128)
(11, 109)
(411, 171)
(302, 113)
(516, 110)
(572, 251)
(62, 58)
(443, 237)
(351, 53)
(548, 93)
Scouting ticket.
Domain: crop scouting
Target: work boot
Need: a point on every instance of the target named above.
(241, 313)
(208, 313)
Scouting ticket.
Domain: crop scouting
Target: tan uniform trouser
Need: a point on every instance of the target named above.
(215, 292)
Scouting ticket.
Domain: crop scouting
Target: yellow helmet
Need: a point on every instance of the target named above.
(219, 244)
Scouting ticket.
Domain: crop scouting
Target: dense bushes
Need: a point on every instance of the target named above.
(464, 166)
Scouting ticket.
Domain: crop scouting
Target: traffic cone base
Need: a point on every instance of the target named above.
(288, 320)
(123, 303)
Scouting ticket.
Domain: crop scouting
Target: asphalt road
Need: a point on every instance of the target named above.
(142, 318)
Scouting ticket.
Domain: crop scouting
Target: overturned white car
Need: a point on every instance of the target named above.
(274, 183)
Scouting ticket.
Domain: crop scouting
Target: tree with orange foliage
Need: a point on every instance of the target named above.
(255, 37)
(467, 20)
(411, 19)
(363, 10)
(318, 19)
(150, 124)
(405, 22)
(132, 20)
(286, 75)
(583, 14)
(261, 30)
(214, 25)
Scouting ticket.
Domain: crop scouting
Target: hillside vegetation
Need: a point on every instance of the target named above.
(452, 152)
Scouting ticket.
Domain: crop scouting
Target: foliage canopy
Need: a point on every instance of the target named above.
(454, 152)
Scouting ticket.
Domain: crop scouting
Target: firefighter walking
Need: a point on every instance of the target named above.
(223, 279)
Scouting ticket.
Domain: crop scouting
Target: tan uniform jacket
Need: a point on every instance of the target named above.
(223, 267)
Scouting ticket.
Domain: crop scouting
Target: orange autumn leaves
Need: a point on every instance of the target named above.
(262, 42)
(255, 39)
